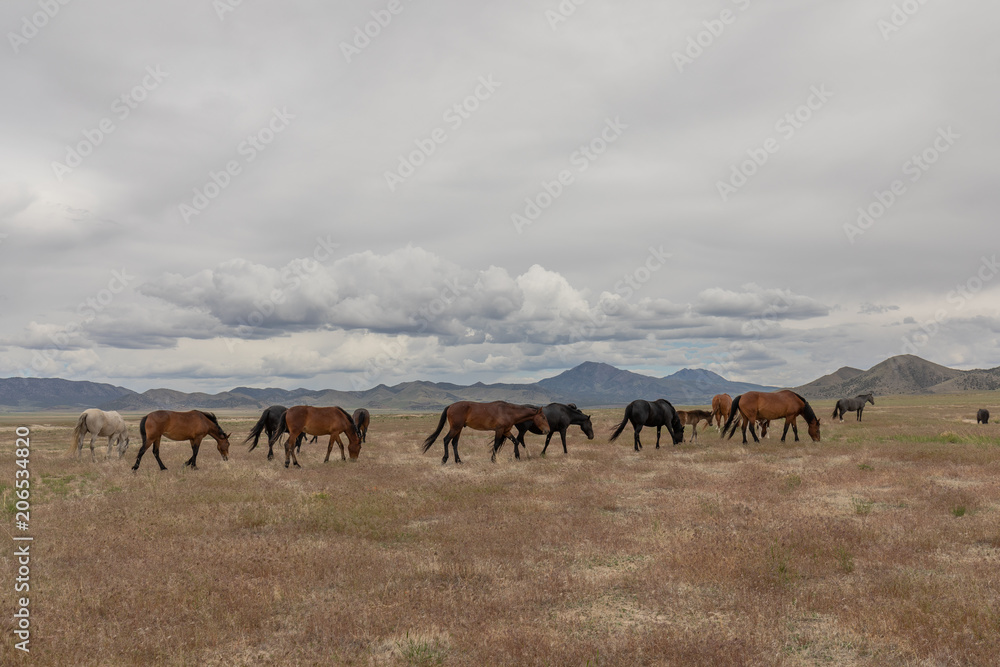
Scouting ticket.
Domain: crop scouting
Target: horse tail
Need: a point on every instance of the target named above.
(278, 432)
(621, 427)
(836, 409)
(81, 428)
(256, 431)
(733, 411)
(142, 429)
(433, 436)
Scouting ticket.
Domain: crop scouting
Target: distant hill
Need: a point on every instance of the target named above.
(590, 384)
(27, 394)
(904, 374)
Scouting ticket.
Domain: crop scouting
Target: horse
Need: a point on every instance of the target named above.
(192, 425)
(96, 422)
(982, 417)
(303, 420)
(856, 404)
(784, 404)
(497, 416)
(560, 418)
(362, 418)
(267, 424)
(658, 413)
(693, 418)
(720, 408)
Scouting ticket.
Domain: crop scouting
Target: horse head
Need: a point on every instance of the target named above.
(122, 446)
(814, 430)
(222, 441)
(539, 420)
(588, 428)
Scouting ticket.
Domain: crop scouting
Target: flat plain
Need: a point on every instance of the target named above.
(879, 545)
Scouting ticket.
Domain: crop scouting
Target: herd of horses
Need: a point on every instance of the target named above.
(750, 410)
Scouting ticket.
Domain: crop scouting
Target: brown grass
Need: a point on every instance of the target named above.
(878, 546)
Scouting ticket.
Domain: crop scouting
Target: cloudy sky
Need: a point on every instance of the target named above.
(205, 194)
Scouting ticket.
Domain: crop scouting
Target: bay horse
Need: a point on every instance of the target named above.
(560, 417)
(99, 423)
(721, 403)
(784, 404)
(658, 413)
(303, 420)
(362, 419)
(856, 404)
(982, 417)
(497, 416)
(192, 425)
(693, 418)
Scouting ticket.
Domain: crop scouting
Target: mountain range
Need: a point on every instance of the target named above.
(590, 384)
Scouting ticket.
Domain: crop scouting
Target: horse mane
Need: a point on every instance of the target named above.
(807, 410)
(211, 417)
(350, 420)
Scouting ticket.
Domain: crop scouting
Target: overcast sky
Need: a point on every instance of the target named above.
(201, 195)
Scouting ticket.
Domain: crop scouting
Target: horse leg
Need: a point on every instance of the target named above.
(454, 446)
(339, 444)
(293, 438)
(795, 429)
(498, 438)
(859, 412)
(156, 453)
(784, 432)
(694, 432)
(753, 432)
(744, 423)
(637, 428)
(138, 457)
(658, 428)
(195, 446)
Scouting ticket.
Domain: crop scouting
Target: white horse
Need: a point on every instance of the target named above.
(100, 423)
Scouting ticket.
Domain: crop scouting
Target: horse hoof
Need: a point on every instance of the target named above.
(298, 466)
(286, 464)
(270, 457)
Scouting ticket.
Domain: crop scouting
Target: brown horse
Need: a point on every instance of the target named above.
(721, 403)
(498, 416)
(362, 419)
(755, 406)
(693, 418)
(303, 420)
(192, 425)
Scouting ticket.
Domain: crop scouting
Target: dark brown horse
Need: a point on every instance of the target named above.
(362, 419)
(693, 418)
(658, 413)
(303, 420)
(754, 406)
(193, 425)
(721, 403)
(497, 416)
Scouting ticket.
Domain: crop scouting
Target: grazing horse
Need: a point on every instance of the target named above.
(497, 416)
(856, 404)
(693, 418)
(720, 408)
(362, 419)
(192, 425)
(303, 420)
(99, 423)
(756, 405)
(658, 413)
(982, 417)
(560, 418)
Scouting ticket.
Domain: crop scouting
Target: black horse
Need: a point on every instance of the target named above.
(983, 416)
(268, 423)
(560, 418)
(856, 404)
(362, 419)
(658, 413)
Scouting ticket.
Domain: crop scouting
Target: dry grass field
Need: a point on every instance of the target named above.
(878, 546)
